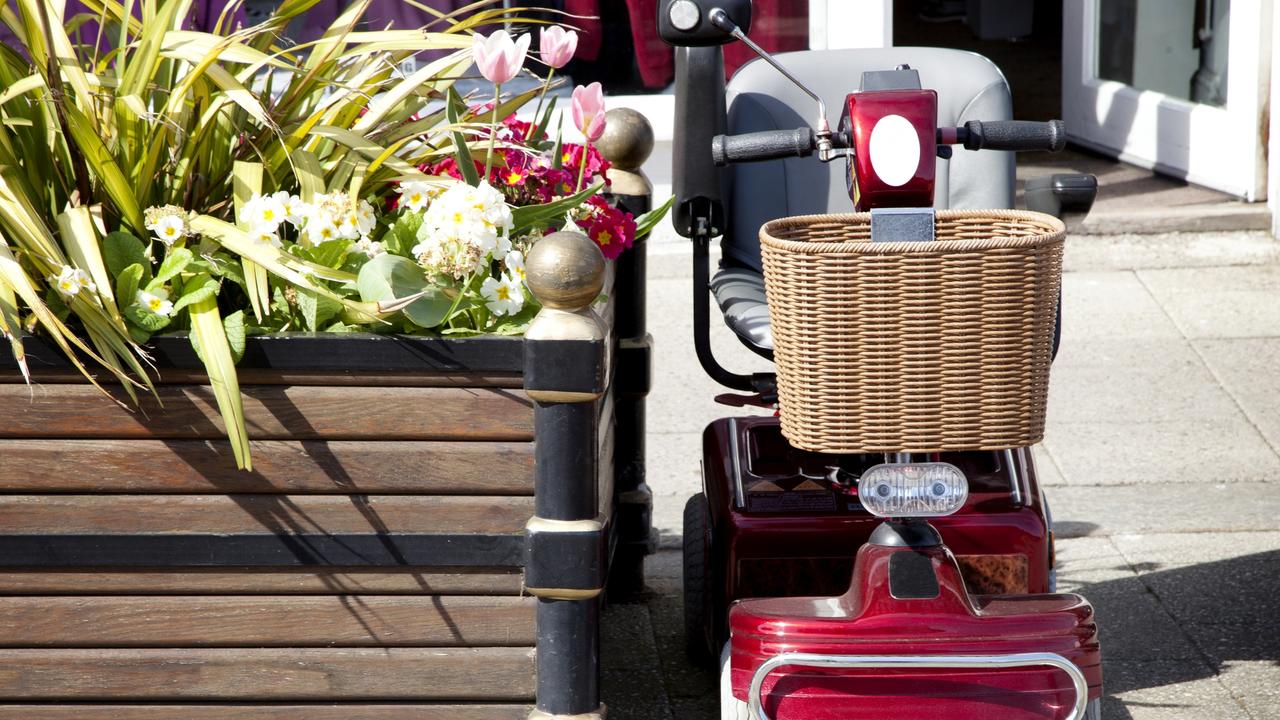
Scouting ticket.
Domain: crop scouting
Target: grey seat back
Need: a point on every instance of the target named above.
(969, 87)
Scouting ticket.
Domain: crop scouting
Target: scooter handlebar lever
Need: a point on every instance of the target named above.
(768, 145)
(1016, 135)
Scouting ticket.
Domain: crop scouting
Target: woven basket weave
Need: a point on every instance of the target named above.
(913, 346)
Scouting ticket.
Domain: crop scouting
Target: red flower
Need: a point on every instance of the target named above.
(612, 229)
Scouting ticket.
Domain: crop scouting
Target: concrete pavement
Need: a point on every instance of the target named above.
(1160, 459)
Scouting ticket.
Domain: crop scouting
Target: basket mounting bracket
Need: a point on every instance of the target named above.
(902, 225)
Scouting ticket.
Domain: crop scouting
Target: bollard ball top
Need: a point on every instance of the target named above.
(628, 138)
(565, 270)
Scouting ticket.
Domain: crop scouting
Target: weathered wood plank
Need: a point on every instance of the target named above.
(221, 711)
(273, 376)
(265, 674)
(260, 581)
(324, 352)
(292, 621)
(254, 514)
(271, 413)
(206, 466)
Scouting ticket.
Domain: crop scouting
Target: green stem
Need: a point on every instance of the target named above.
(582, 168)
(493, 132)
(546, 86)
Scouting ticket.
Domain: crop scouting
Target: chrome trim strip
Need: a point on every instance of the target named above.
(1015, 484)
(1024, 454)
(740, 495)
(919, 661)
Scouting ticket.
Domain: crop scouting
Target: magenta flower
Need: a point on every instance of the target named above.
(498, 57)
(557, 46)
(588, 110)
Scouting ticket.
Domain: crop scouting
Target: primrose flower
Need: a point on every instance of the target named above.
(588, 110)
(321, 230)
(167, 222)
(514, 263)
(157, 302)
(295, 211)
(366, 220)
(504, 296)
(369, 247)
(498, 57)
(71, 281)
(557, 46)
(264, 212)
(462, 229)
(415, 195)
(263, 236)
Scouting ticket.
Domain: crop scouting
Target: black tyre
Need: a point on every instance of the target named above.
(698, 586)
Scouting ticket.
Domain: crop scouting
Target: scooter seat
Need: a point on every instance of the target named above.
(740, 294)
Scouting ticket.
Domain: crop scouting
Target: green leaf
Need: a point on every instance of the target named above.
(127, 281)
(208, 335)
(648, 221)
(120, 250)
(144, 319)
(316, 309)
(531, 216)
(234, 326)
(453, 105)
(175, 261)
(390, 277)
(404, 234)
(198, 289)
(331, 253)
(57, 306)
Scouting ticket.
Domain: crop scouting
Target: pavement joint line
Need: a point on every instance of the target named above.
(1205, 657)
(1204, 362)
(1053, 461)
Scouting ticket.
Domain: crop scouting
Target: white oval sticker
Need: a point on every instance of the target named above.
(895, 150)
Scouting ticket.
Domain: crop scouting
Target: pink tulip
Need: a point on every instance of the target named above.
(557, 46)
(588, 110)
(498, 56)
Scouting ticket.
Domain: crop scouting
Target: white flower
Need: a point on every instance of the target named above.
(264, 212)
(366, 220)
(504, 296)
(167, 222)
(264, 236)
(321, 230)
(295, 211)
(71, 281)
(369, 247)
(157, 302)
(514, 262)
(462, 229)
(169, 228)
(349, 228)
(415, 195)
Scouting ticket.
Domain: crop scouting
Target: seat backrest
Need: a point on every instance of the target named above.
(969, 87)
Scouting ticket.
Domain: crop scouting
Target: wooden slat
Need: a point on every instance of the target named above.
(255, 514)
(420, 674)
(271, 413)
(240, 621)
(270, 376)
(346, 711)
(206, 466)
(249, 581)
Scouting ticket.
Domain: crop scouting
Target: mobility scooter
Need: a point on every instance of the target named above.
(870, 578)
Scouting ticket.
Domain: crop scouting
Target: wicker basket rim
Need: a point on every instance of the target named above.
(1054, 231)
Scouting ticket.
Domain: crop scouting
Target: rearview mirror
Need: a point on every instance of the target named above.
(685, 23)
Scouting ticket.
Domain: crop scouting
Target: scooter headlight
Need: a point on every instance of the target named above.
(913, 489)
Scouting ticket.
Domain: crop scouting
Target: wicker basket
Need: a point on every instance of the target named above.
(913, 346)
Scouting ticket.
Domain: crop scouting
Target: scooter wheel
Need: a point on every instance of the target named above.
(1094, 710)
(698, 588)
(731, 708)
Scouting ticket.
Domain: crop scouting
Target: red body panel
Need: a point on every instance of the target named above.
(868, 620)
(863, 112)
(810, 551)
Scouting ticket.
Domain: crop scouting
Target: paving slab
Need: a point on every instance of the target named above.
(1247, 368)
(1219, 302)
(1206, 507)
(1172, 449)
(1167, 690)
(1113, 305)
(1169, 250)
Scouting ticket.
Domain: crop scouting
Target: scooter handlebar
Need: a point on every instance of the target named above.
(757, 146)
(1016, 135)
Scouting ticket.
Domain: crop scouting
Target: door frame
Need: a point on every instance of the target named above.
(1221, 148)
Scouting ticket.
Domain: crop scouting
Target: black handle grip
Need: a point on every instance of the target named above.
(1015, 135)
(769, 145)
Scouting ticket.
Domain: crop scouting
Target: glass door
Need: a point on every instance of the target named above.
(1179, 86)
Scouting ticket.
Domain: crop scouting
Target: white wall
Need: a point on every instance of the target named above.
(850, 24)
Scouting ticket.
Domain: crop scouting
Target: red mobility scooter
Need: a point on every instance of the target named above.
(907, 582)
